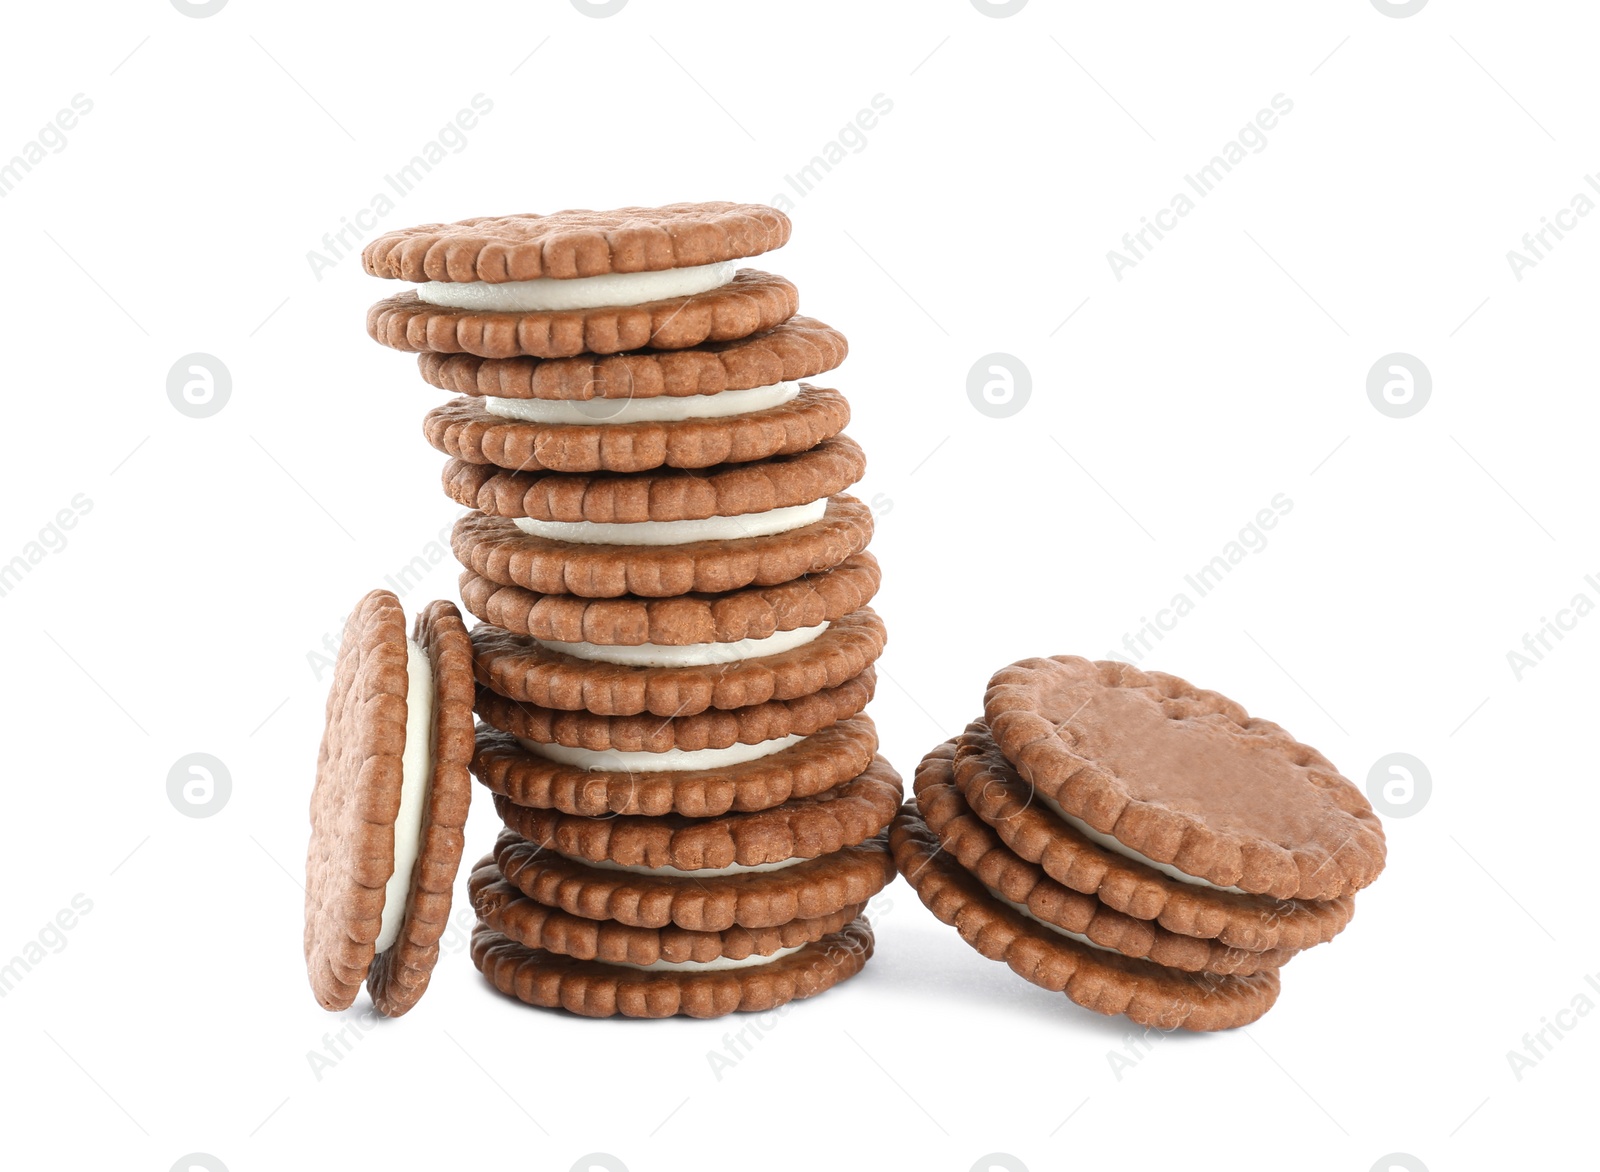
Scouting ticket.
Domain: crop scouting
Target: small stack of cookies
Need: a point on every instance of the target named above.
(1137, 843)
(676, 645)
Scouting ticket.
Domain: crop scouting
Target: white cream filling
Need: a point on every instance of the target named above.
(707, 966)
(679, 873)
(656, 409)
(678, 532)
(670, 761)
(1022, 909)
(551, 293)
(689, 655)
(416, 778)
(1127, 852)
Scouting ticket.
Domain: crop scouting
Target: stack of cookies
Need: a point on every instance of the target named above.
(676, 648)
(1137, 843)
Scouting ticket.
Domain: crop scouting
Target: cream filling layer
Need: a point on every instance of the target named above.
(707, 966)
(552, 294)
(763, 524)
(1127, 852)
(689, 655)
(656, 409)
(670, 761)
(416, 778)
(680, 873)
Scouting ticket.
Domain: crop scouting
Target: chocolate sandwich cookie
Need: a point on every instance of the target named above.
(704, 739)
(577, 243)
(801, 828)
(625, 680)
(811, 765)
(389, 804)
(638, 435)
(1184, 779)
(496, 549)
(663, 506)
(1036, 834)
(1106, 982)
(799, 348)
(748, 303)
(1027, 889)
(705, 900)
(503, 908)
(596, 989)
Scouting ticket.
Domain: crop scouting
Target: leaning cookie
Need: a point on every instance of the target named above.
(711, 899)
(389, 804)
(813, 764)
(756, 612)
(611, 679)
(1024, 821)
(798, 348)
(1027, 889)
(1184, 779)
(638, 435)
(596, 989)
(801, 828)
(1103, 981)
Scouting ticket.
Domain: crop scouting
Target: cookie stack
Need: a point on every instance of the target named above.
(676, 648)
(1137, 843)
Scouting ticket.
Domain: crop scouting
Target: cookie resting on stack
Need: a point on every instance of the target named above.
(676, 646)
(1137, 843)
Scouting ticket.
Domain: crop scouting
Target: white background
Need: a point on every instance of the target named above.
(1228, 366)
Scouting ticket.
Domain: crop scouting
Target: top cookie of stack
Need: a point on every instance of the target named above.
(673, 585)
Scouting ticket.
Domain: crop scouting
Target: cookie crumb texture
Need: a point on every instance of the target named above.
(633, 877)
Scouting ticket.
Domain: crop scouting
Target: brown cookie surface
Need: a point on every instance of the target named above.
(494, 548)
(801, 828)
(757, 899)
(752, 613)
(399, 975)
(798, 348)
(503, 907)
(712, 729)
(810, 766)
(595, 989)
(355, 800)
(577, 242)
(979, 850)
(466, 430)
(753, 301)
(727, 490)
(998, 796)
(521, 668)
(1106, 982)
(1185, 777)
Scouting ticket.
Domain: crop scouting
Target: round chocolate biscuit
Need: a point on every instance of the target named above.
(998, 796)
(1185, 777)
(1106, 982)
(801, 828)
(595, 989)
(521, 668)
(463, 428)
(504, 908)
(728, 490)
(980, 851)
(751, 302)
(810, 766)
(801, 347)
(714, 728)
(494, 548)
(356, 802)
(756, 899)
(577, 242)
(752, 613)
